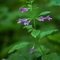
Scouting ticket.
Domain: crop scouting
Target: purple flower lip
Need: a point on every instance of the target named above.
(48, 18)
(26, 22)
(32, 49)
(41, 18)
(20, 20)
(23, 10)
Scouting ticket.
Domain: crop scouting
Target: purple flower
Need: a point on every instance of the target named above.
(32, 49)
(23, 10)
(26, 22)
(48, 18)
(20, 20)
(41, 18)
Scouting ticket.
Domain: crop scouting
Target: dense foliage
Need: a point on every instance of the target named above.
(36, 41)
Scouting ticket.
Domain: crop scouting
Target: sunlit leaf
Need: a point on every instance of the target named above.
(54, 3)
(44, 33)
(34, 33)
(30, 30)
(45, 12)
(28, 27)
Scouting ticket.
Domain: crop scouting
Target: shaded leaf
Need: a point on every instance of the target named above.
(39, 52)
(16, 47)
(55, 37)
(51, 56)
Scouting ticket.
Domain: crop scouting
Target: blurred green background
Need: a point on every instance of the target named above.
(12, 33)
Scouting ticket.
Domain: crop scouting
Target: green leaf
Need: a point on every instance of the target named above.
(16, 56)
(28, 27)
(30, 30)
(51, 56)
(39, 52)
(32, 1)
(21, 45)
(55, 37)
(34, 33)
(44, 33)
(29, 5)
(45, 12)
(54, 3)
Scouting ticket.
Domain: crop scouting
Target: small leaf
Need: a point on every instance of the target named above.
(42, 34)
(16, 47)
(32, 1)
(30, 30)
(45, 12)
(51, 56)
(28, 27)
(34, 33)
(29, 5)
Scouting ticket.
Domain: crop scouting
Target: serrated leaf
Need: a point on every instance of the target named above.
(28, 27)
(45, 12)
(44, 33)
(51, 56)
(39, 52)
(16, 47)
(34, 33)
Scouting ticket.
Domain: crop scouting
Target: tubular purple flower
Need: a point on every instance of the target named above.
(23, 10)
(41, 18)
(26, 22)
(20, 20)
(32, 49)
(48, 17)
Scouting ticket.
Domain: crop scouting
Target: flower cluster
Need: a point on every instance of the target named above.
(26, 22)
(41, 18)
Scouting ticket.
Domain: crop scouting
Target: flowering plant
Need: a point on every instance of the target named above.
(37, 34)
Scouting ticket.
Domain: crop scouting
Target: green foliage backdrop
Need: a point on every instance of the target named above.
(12, 33)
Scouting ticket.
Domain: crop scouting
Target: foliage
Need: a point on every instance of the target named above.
(14, 37)
(51, 56)
(19, 46)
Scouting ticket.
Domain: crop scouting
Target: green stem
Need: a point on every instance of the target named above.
(39, 39)
(25, 57)
(34, 24)
(40, 48)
